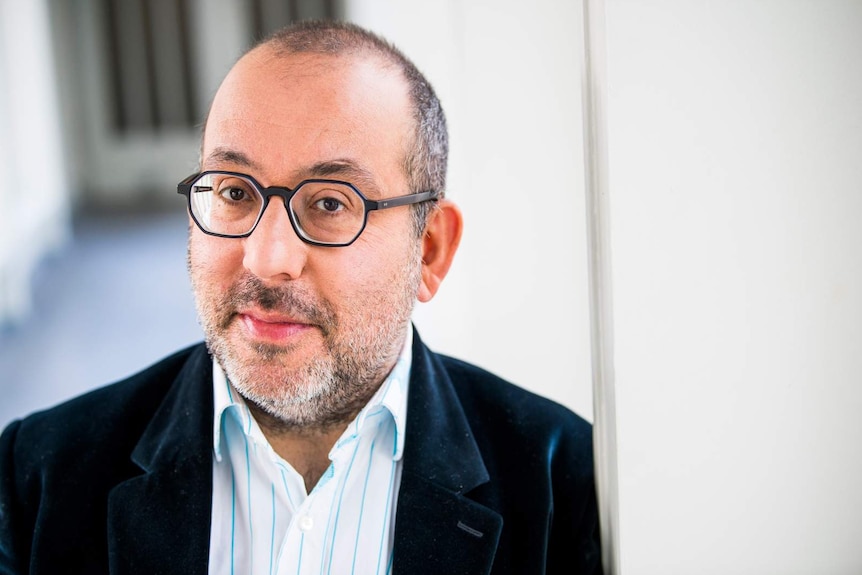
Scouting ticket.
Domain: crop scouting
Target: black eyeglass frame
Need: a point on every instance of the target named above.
(286, 194)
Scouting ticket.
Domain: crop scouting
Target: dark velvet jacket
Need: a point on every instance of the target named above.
(495, 479)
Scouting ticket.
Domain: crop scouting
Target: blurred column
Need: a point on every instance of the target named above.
(34, 195)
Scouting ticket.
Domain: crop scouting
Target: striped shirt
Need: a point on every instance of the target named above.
(263, 521)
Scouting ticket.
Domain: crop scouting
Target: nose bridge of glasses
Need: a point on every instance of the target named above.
(277, 191)
(285, 194)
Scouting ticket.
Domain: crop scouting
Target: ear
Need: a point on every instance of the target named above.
(439, 243)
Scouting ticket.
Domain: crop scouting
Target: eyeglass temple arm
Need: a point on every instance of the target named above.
(401, 200)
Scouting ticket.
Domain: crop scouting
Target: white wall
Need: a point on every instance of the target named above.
(509, 79)
(735, 150)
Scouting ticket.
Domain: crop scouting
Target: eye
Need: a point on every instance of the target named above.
(233, 194)
(329, 205)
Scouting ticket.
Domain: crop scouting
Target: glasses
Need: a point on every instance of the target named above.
(322, 212)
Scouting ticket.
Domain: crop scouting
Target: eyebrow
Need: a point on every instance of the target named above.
(340, 168)
(344, 169)
(229, 156)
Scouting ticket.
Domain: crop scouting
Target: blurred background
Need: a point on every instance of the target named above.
(101, 104)
(727, 217)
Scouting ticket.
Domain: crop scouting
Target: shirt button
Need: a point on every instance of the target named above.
(306, 523)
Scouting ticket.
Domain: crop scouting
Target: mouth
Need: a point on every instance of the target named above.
(273, 327)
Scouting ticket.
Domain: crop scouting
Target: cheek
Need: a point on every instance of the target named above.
(374, 270)
(213, 261)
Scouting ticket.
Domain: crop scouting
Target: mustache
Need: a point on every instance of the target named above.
(251, 291)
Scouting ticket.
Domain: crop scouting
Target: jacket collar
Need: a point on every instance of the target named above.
(437, 526)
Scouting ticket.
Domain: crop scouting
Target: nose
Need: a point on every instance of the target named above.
(273, 251)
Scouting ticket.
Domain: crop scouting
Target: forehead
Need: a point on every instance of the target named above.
(287, 112)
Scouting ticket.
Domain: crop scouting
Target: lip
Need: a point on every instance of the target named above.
(273, 327)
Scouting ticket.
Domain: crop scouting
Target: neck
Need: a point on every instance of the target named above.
(305, 448)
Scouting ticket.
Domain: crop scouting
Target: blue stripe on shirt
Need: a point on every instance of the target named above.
(361, 510)
(338, 509)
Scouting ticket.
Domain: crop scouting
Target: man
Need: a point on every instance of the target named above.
(314, 433)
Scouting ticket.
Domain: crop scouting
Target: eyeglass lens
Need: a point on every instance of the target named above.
(323, 211)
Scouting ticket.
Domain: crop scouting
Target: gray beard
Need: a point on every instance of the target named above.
(330, 389)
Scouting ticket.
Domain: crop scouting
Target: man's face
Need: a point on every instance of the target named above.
(307, 333)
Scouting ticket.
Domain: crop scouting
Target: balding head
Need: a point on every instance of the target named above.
(426, 154)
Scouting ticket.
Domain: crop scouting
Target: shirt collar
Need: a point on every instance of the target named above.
(392, 396)
(225, 400)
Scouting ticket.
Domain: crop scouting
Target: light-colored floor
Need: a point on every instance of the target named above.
(112, 302)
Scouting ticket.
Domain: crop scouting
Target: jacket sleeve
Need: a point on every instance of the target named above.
(13, 540)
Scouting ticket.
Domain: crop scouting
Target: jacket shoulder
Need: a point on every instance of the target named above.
(517, 429)
(58, 466)
(487, 396)
(107, 414)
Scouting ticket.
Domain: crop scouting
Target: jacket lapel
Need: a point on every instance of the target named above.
(437, 528)
(159, 522)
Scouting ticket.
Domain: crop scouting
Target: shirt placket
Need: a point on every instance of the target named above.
(306, 543)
